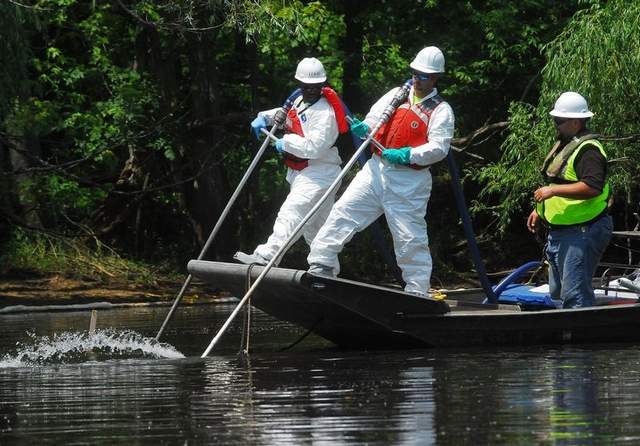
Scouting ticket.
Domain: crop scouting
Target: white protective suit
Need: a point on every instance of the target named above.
(400, 192)
(309, 184)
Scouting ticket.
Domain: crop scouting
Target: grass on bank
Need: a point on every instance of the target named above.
(39, 254)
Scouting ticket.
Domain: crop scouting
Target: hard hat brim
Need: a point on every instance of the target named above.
(422, 68)
(571, 115)
(315, 80)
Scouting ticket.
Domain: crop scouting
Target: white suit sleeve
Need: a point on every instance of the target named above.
(441, 126)
(320, 133)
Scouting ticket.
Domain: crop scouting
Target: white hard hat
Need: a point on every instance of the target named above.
(571, 105)
(310, 71)
(429, 60)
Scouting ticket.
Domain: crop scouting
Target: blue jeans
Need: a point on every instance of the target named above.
(573, 254)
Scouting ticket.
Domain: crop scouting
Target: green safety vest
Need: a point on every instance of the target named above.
(559, 165)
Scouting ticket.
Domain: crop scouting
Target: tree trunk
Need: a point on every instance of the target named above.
(5, 204)
(352, 47)
(117, 209)
(207, 196)
(24, 149)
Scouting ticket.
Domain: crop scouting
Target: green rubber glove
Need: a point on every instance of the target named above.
(359, 128)
(398, 156)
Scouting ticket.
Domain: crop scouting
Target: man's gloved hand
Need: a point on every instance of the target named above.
(279, 145)
(398, 156)
(359, 128)
(258, 124)
(280, 117)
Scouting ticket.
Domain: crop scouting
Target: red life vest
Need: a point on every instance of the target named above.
(293, 125)
(334, 100)
(408, 126)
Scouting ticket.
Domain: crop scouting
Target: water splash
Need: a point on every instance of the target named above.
(102, 345)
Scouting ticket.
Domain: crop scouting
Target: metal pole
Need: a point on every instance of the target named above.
(468, 229)
(373, 141)
(399, 98)
(216, 228)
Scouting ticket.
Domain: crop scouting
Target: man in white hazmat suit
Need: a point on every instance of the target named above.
(308, 149)
(396, 181)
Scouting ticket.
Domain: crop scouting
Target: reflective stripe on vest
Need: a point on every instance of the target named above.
(409, 126)
(571, 211)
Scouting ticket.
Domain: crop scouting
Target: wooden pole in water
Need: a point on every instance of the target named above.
(93, 321)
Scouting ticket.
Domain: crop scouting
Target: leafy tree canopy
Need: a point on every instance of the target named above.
(128, 119)
(596, 55)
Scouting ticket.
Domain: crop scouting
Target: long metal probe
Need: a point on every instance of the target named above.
(216, 228)
(385, 116)
(373, 140)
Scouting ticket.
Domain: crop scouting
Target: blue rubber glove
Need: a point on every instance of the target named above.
(279, 146)
(257, 124)
(398, 156)
(359, 128)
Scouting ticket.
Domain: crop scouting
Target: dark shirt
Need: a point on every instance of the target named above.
(591, 167)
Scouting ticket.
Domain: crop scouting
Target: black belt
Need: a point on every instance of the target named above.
(586, 223)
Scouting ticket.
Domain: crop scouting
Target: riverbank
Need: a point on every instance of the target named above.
(44, 270)
(61, 290)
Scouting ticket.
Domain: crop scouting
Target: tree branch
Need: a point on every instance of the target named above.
(467, 140)
(633, 137)
(155, 25)
(34, 7)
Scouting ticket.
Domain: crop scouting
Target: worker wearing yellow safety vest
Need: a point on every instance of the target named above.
(574, 204)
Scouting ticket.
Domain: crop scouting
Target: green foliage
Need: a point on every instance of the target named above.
(512, 177)
(600, 59)
(317, 33)
(87, 95)
(383, 62)
(158, 94)
(248, 17)
(597, 55)
(45, 254)
(496, 50)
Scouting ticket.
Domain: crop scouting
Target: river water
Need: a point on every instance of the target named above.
(60, 385)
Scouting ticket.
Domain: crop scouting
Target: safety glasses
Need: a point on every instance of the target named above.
(312, 87)
(559, 121)
(421, 76)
